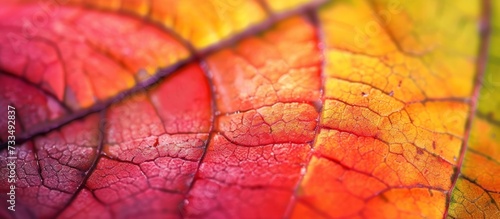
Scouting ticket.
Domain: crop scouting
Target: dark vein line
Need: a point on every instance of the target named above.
(165, 72)
(443, 99)
(249, 187)
(31, 84)
(390, 33)
(107, 54)
(381, 192)
(57, 123)
(146, 20)
(473, 181)
(256, 108)
(351, 169)
(90, 170)
(157, 136)
(131, 160)
(388, 187)
(37, 161)
(313, 17)
(484, 34)
(488, 157)
(231, 141)
(271, 21)
(485, 190)
(376, 137)
(315, 209)
(353, 105)
(488, 118)
(368, 85)
(204, 66)
(155, 109)
(265, 7)
(65, 71)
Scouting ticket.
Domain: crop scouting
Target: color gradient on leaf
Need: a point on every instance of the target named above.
(200, 22)
(250, 109)
(385, 99)
(71, 56)
(477, 190)
(265, 126)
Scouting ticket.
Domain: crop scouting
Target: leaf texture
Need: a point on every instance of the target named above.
(477, 190)
(251, 109)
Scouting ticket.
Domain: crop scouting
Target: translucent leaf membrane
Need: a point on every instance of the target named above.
(477, 190)
(394, 109)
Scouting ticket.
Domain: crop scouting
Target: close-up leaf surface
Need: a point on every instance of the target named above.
(251, 109)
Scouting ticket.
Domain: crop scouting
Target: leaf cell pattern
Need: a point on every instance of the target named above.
(252, 109)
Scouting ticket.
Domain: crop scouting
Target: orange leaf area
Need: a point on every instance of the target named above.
(394, 111)
(251, 109)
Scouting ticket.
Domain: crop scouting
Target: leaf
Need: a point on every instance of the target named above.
(477, 190)
(250, 109)
(394, 114)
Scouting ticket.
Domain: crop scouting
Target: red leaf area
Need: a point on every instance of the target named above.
(143, 109)
(228, 135)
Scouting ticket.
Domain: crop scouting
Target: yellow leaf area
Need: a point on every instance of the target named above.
(200, 22)
(477, 191)
(398, 77)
